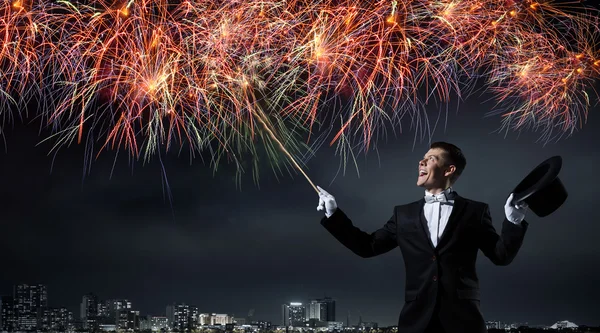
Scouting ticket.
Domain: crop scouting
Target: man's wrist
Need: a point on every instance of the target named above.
(328, 214)
(516, 221)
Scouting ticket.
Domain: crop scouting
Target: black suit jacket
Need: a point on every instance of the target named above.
(444, 277)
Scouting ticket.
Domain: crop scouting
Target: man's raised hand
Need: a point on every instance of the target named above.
(515, 211)
(327, 202)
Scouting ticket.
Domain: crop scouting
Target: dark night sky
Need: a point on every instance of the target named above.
(227, 250)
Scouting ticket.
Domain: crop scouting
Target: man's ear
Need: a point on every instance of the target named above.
(449, 170)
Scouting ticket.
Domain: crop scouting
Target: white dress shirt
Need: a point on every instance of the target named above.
(437, 215)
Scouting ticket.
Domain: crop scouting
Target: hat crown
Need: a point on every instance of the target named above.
(541, 189)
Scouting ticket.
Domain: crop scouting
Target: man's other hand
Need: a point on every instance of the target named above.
(327, 202)
(515, 211)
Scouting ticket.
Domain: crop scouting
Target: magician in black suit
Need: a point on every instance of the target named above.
(439, 237)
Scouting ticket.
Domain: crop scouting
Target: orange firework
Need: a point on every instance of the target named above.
(221, 76)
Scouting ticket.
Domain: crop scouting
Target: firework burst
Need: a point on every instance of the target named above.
(224, 76)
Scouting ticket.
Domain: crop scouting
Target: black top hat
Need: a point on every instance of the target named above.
(542, 190)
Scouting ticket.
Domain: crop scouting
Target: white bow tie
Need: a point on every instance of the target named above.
(440, 197)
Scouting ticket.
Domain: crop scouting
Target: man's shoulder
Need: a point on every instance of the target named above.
(408, 206)
(477, 208)
(474, 204)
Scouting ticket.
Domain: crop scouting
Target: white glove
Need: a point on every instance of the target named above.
(326, 201)
(515, 212)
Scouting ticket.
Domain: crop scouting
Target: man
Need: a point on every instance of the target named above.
(439, 236)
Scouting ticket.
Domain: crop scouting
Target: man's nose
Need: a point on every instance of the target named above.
(422, 162)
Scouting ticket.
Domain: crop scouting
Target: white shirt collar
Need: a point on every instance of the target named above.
(445, 192)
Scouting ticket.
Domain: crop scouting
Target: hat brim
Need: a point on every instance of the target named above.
(542, 176)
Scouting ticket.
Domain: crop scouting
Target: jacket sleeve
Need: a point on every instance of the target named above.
(501, 249)
(361, 243)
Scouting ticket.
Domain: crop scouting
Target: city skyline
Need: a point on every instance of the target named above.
(64, 314)
(21, 309)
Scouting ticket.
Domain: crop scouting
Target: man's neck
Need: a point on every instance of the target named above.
(436, 190)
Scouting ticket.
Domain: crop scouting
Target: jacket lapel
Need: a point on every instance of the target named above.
(424, 226)
(457, 209)
(415, 213)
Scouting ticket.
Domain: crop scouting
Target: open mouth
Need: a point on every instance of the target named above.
(422, 173)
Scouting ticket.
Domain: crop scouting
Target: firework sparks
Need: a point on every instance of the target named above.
(222, 75)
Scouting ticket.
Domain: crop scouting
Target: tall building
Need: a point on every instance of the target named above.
(194, 317)
(127, 319)
(56, 319)
(102, 311)
(330, 309)
(179, 317)
(115, 305)
(322, 309)
(30, 302)
(293, 314)
(8, 318)
(285, 315)
(88, 311)
(117, 312)
(314, 310)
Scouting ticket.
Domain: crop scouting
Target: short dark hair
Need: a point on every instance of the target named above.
(454, 156)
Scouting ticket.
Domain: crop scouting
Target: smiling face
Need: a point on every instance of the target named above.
(434, 171)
